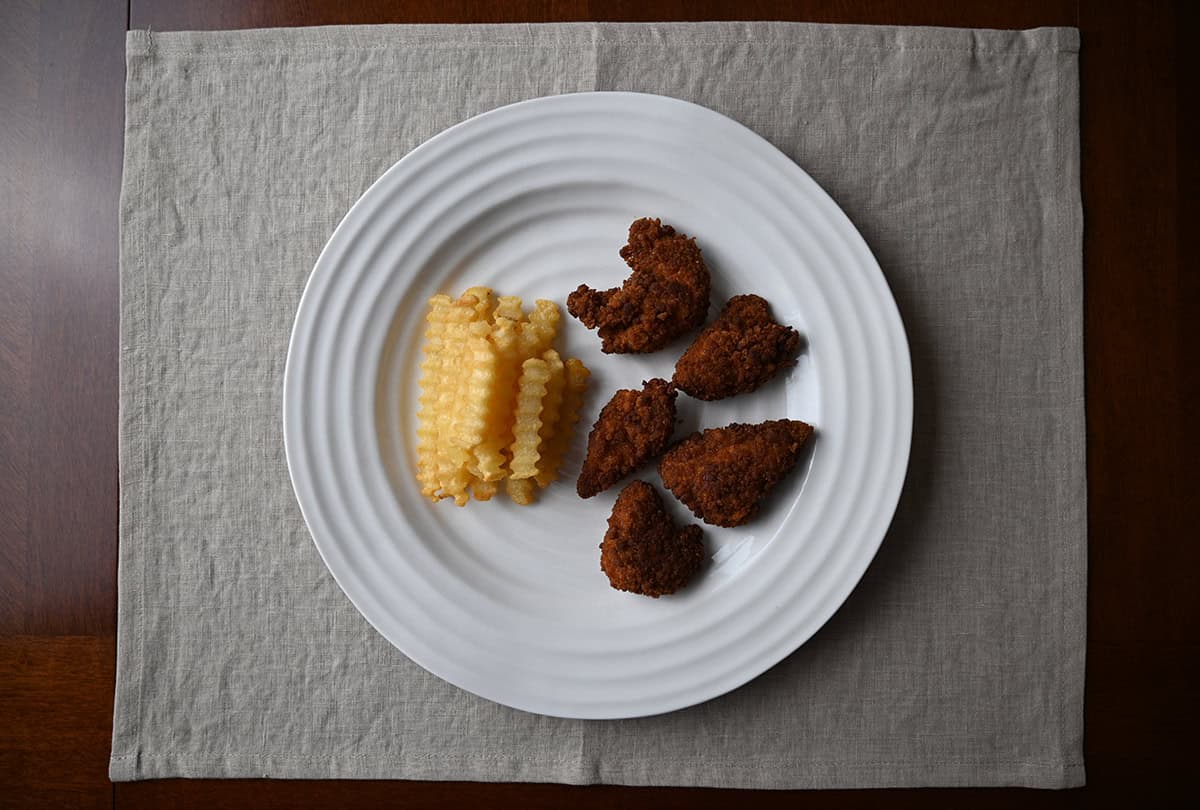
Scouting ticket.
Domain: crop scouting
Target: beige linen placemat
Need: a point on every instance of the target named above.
(959, 660)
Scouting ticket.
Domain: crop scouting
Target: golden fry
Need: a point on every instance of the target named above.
(431, 376)
(475, 386)
(520, 490)
(484, 490)
(483, 304)
(453, 475)
(531, 390)
(509, 306)
(497, 435)
(576, 376)
(551, 404)
(497, 403)
(540, 330)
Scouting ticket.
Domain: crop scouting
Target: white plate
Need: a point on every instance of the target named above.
(533, 199)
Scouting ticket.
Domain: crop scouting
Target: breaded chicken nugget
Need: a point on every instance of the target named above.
(632, 428)
(666, 296)
(723, 474)
(738, 352)
(643, 550)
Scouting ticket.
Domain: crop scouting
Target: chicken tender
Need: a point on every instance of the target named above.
(740, 351)
(666, 296)
(723, 474)
(643, 550)
(632, 428)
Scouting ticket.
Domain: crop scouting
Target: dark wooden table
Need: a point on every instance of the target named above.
(61, 117)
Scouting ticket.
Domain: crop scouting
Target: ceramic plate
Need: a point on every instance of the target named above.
(534, 199)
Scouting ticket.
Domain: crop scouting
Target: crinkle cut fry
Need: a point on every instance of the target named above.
(490, 460)
(431, 376)
(551, 403)
(520, 490)
(486, 413)
(464, 322)
(535, 375)
(575, 375)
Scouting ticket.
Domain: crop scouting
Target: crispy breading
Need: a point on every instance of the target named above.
(738, 352)
(632, 428)
(723, 474)
(643, 550)
(666, 295)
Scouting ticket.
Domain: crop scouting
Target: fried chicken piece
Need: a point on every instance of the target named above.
(738, 352)
(723, 474)
(666, 295)
(632, 428)
(643, 550)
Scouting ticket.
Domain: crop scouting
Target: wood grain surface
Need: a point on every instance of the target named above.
(61, 118)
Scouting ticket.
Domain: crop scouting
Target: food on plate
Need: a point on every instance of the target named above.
(666, 295)
(519, 490)
(643, 550)
(554, 446)
(533, 404)
(723, 474)
(494, 402)
(441, 460)
(516, 338)
(483, 490)
(738, 352)
(632, 428)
